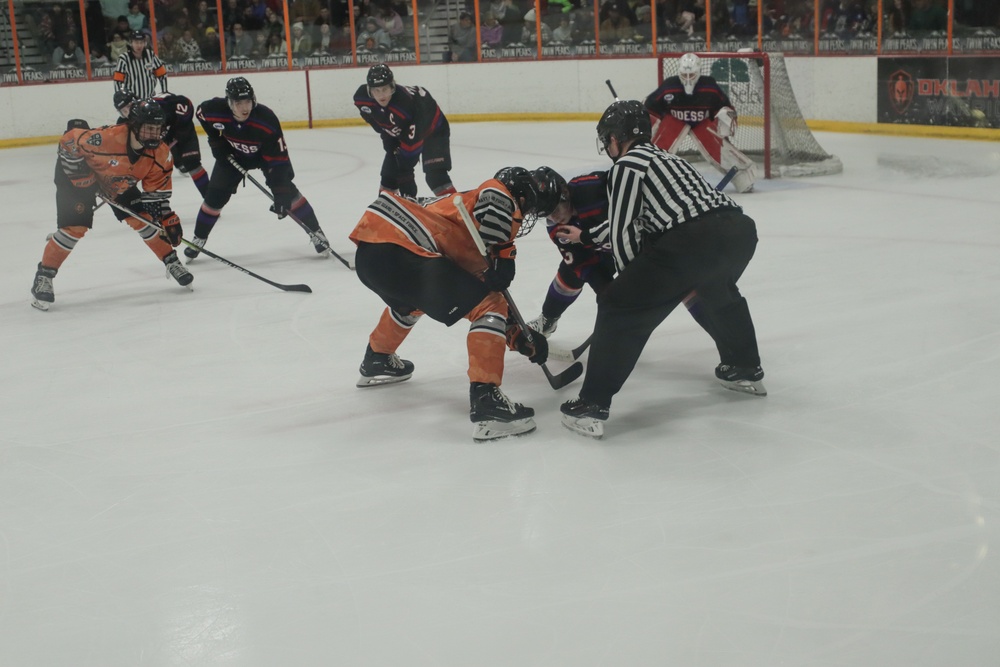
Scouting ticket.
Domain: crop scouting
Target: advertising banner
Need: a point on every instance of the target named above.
(957, 92)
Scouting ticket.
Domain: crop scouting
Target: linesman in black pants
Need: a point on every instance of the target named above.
(670, 233)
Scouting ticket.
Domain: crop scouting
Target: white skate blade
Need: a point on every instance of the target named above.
(495, 430)
(378, 380)
(745, 386)
(40, 305)
(588, 426)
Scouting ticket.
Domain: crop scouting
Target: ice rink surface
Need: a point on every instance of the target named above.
(192, 478)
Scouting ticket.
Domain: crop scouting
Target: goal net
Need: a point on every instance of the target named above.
(770, 128)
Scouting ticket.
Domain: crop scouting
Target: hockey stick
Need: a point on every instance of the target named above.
(574, 354)
(612, 89)
(286, 288)
(248, 176)
(556, 381)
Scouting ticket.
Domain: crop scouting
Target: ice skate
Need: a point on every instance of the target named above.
(41, 289)
(544, 325)
(745, 380)
(190, 252)
(320, 242)
(584, 417)
(495, 416)
(377, 369)
(177, 271)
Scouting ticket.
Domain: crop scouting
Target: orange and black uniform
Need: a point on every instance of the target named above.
(101, 160)
(419, 258)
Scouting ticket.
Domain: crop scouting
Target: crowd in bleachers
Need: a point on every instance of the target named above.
(189, 30)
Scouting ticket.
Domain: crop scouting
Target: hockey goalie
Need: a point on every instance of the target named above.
(694, 104)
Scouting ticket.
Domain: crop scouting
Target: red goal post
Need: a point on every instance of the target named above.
(770, 128)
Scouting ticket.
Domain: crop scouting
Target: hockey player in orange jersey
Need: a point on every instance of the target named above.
(112, 161)
(420, 258)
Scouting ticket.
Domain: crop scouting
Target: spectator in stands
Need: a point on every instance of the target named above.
(510, 19)
(273, 24)
(616, 27)
(209, 43)
(117, 46)
(462, 38)
(563, 34)
(46, 34)
(529, 33)
(136, 19)
(898, 17)
(68, 54)
(121, 26)
(203, 17)
(321, 18)
(928, 15)
(642, 31)
(304, 11)
(491, 32)
(276, 47)
(259, 9)
(188, 48)
(373, 38)
(112, 9)
(97, 56)
(691, 16)
(232, 12)
(259, 49)
(239, 44)
(252, 24)
(391, 22)
(167, 47)
(302, 44)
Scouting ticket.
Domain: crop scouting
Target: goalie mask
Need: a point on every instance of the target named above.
(145, 121)
(689, 71)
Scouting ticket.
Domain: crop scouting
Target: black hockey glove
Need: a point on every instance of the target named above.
(537, 349)
(500, 273)
(172, 231)
(283, 196)
(131, 199)
(390, 144)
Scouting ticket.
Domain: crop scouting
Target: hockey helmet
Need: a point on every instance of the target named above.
(137, 36)
(238, 88)
(625, 120)
(380, 75)
(123, 98)
(550, 190)
(689, 71)
(146, 112)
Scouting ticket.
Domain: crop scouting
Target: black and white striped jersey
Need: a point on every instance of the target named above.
(140, 75)
(650, 191)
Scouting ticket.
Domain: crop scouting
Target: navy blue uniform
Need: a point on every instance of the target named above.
(412, 127)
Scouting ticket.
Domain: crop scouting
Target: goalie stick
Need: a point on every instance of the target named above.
(556, 381)
(248, 176)
(574, 354)
(285, 288)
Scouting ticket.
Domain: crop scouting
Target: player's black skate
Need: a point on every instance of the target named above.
(544, 325)
(177, 271)
(190, 252)
(496, 416)
(320, 242)
(584, 417)
(377, 368)
(746, 380)
(42, 288)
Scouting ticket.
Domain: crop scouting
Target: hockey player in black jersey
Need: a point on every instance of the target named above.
(412, 127)
(694, 104)
(670, 233)
(178, 132)
(583, 203)
(239, 128)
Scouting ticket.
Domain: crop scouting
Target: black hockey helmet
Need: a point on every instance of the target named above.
(525, 189)
(238, 88)
(123, 98)
(147, 112)
(547, 189)
(380, 75)
(552, 190)
(137, 35)
(625, 120)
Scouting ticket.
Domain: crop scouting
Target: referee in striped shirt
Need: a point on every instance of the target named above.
(138, 69)
(670, 233)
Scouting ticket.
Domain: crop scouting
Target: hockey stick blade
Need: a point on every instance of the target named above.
(133, 214)
(560, 380)
(560, 354)
(612, 89)
(730, 175)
